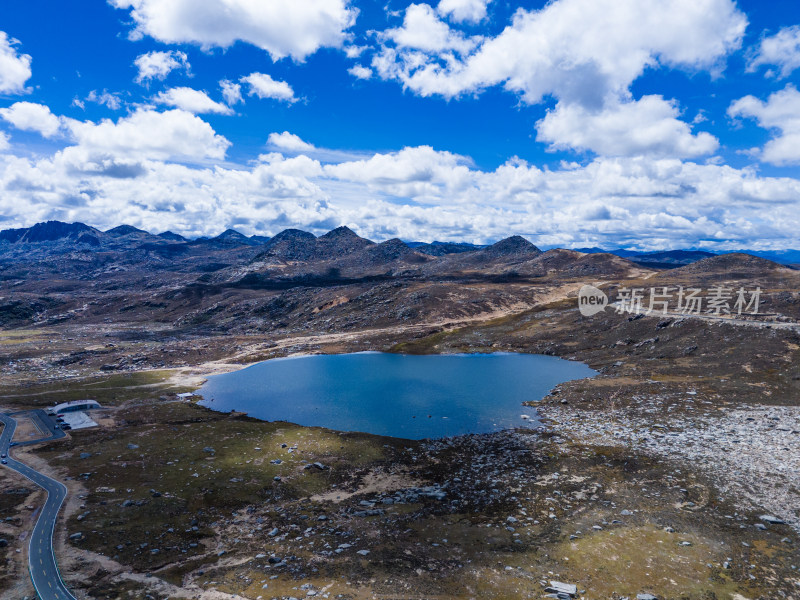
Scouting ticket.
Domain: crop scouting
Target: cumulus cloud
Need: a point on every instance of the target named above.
(191, 100)
(232, 92)
(649, 126)
(780, 112)
(578, 50)
(781, 50)
(472, 11)
(414, 193)
(105, 98)
(354, 51)
(264, 86)
(151, 134)
(15, 68)
(584, 53)
(289, 142)
(419, 172)
(4, 143)
(295, 28)
(29, 116)
(423, 30)
(158, 64)
(360, 72)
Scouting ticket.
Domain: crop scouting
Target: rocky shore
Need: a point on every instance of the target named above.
(750, 452)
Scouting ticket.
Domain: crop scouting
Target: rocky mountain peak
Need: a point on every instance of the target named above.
(341, 241)
(172, 237)
(121, 230)
(55, 230)
(291, 234)
(516, 245)
(231, 235)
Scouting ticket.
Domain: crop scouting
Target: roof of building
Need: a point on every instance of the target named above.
(71, 403)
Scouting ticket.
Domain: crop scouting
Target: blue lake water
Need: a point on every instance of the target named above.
(396, 395)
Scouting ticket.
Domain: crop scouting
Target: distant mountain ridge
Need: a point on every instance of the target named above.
(121, 230)
(667, 258)
(46, 232)
(441, 248)
(299, 245)
(296, 244)
(56, 271)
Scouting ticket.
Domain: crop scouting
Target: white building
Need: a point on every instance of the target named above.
(74, 406)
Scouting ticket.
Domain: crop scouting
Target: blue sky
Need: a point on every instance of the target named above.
(638, 123)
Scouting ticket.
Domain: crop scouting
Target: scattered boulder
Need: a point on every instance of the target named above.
(557, 587)
(772, 520)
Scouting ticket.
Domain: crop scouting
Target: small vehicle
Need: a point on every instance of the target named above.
(65, 426)
(4, 461)
(3, 455)
(56, 427)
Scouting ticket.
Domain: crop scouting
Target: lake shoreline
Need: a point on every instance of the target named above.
(428, 396)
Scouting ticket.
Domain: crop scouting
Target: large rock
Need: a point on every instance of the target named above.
(557, 587)
(772, 520)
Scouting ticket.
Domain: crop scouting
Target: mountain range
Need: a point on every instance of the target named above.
(132, 283)
(301, 245)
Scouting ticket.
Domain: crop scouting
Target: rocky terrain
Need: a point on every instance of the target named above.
(672, 474)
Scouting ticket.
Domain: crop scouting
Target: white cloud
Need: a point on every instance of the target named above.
(360, 72)
(289, 142)
(415, 193)
(29, 116)
(419, 172)
(295, 28)
(232, 92)
(150, 134)
(354, 51)
(472, 11)
(106, 98)
(423, 30)
(264, 86)
(157, 65)
(781, 50)
(409, 165)
(15, 68)
(191, 100)
(648, 126)
(585, 54)
(576, 50)
(4, 143)
(781, 112)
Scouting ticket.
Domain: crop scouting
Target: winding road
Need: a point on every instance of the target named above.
(41, 558)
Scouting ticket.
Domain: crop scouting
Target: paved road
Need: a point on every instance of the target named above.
(41, 558)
